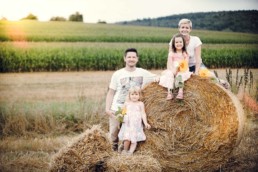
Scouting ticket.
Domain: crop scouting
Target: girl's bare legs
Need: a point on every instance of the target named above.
(170, 95)
(127, 145)
(132, 148)
(180, 94)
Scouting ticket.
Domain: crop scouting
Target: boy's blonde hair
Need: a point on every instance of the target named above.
(185, 21)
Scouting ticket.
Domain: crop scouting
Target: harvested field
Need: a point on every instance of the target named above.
(33, 151)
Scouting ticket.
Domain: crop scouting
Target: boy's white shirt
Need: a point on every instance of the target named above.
(122, 80)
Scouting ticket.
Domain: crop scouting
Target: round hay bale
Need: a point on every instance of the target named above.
(135, 163)
(197, 133)
(86, 153)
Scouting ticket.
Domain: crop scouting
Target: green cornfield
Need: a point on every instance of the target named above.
(28, 46)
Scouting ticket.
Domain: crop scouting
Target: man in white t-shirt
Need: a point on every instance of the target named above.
(121, 81)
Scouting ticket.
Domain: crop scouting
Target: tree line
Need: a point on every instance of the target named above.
(73, 17)
(236, 21)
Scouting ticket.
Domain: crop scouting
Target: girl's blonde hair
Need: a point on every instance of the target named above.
(134, 89)
(185, 21)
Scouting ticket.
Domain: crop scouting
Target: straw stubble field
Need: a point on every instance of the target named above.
(43, 112)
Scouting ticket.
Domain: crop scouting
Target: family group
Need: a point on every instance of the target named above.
(184, 59)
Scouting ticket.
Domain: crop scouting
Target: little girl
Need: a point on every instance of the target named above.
(131, 131)
(177, 68)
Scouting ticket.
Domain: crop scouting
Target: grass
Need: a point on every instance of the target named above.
(83, 32)
(42, 112)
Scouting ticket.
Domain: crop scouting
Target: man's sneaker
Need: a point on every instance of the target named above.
(120, 148)
(124, 152)
(115, 146)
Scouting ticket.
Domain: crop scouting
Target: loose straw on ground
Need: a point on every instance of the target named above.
(86, 153)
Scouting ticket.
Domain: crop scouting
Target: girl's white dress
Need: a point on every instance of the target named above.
(167, 77)
(132, 127)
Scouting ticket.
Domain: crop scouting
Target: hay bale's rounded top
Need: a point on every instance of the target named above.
(197, 133)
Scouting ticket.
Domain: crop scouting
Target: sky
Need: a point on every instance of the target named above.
(112, 11)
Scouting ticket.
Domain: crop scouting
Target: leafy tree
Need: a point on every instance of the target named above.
(236, 21)
(3, 19)
(102, 22)
(30, 17)
(76, 17)
(58, 19)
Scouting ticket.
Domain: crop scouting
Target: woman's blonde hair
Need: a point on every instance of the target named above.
(185, 21)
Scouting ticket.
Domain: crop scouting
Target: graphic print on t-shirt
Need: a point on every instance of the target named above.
(126, 84)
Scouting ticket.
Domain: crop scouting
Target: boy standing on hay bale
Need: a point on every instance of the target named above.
(132, 129)
(177, 67)
(121, 81)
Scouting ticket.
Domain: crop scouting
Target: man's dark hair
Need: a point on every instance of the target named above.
(131, 50)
